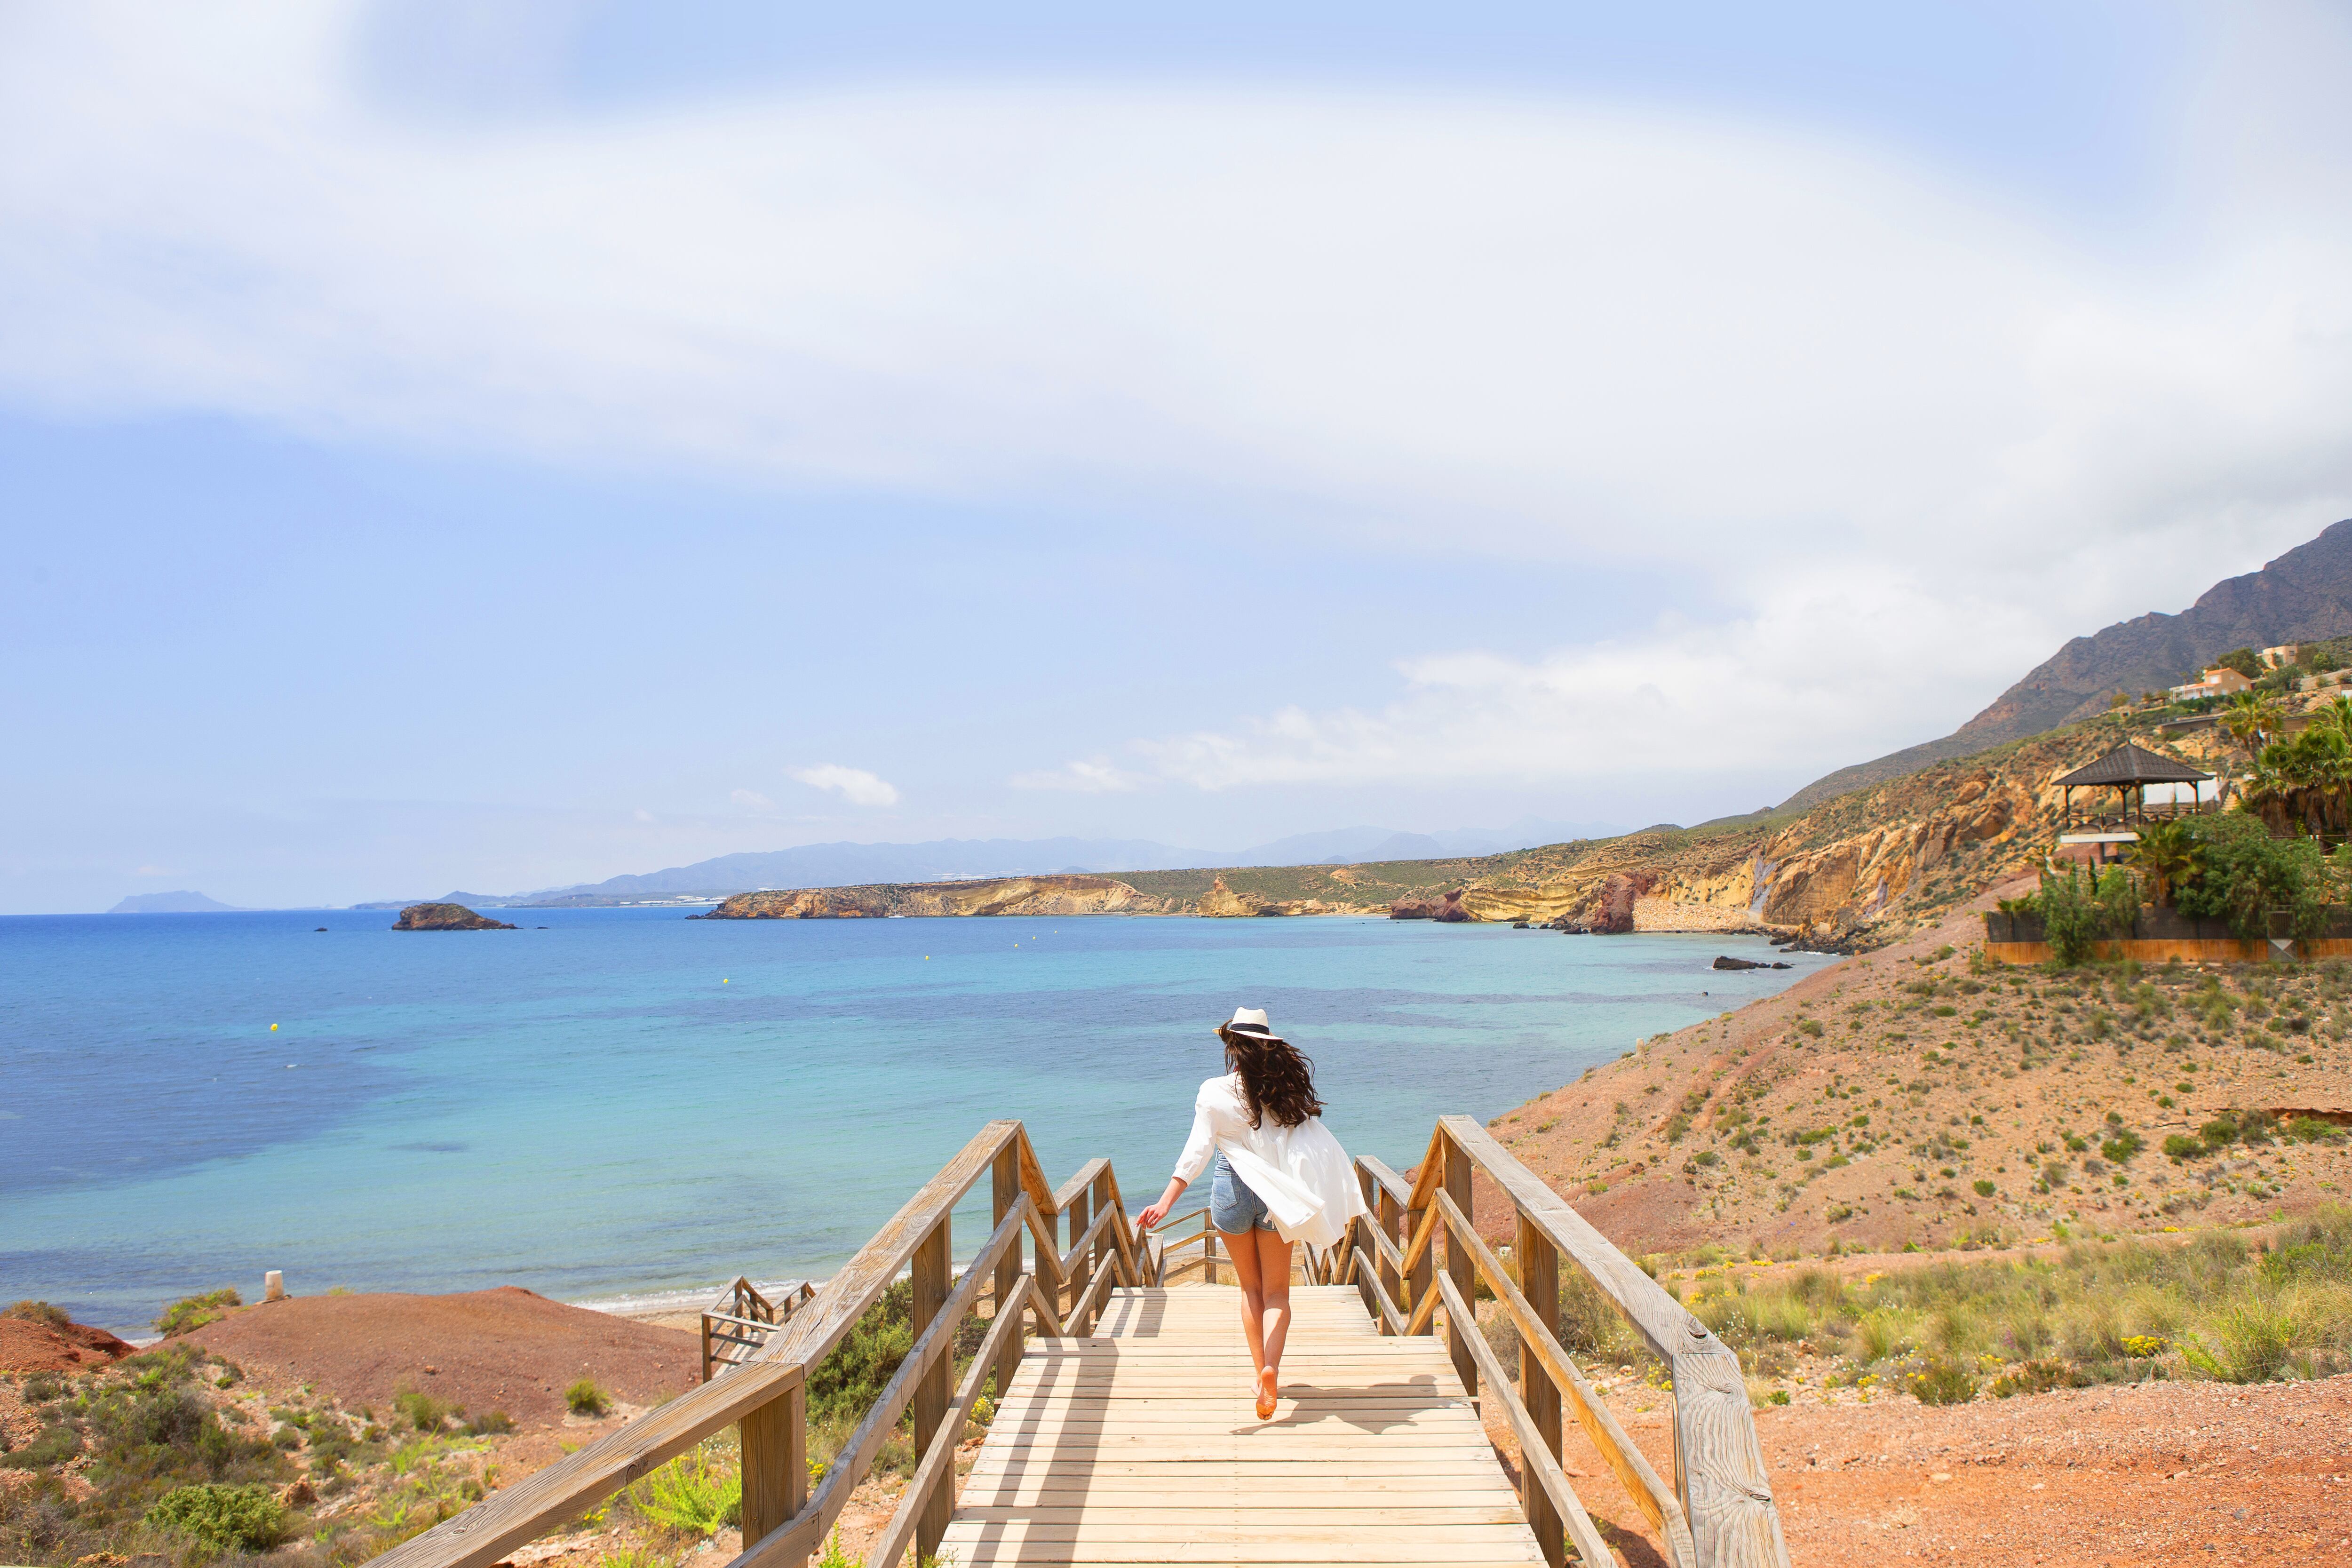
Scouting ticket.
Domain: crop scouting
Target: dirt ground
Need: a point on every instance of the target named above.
(29, 1346)
(506, 1349)
(2102, 1478)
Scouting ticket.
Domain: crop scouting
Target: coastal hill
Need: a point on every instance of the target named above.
(184, 902)
(1855, 871)
(954, 859)
(2305, 595)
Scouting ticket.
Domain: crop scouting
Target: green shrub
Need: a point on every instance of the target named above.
(1940, 1380)
(2242, 873)
(234, 1519)
(2252, 1339)
(38, 1312)
(2120, 1148)
(1983, 1187)
(192, 1313)
(495, 1422)
(584, 1398)
(422, 1411)
(54, 1446)
(2181, 1146)
(692, 1494)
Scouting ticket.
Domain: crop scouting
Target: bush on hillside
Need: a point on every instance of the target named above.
(2242, 873)
(234, 1519)
(192, 1313)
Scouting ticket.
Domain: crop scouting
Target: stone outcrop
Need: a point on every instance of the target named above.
(1057, 895)
(446, 917)
(1618, 894)
(1447, 907)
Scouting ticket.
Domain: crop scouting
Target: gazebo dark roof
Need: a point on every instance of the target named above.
(2128, 764)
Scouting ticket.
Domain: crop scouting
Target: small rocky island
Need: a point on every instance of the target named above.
(446, 917)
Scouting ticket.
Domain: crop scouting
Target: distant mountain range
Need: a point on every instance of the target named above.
(185, 902)
(947, 860)
(2305, 595)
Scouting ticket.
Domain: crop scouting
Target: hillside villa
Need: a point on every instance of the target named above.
(2219, 681)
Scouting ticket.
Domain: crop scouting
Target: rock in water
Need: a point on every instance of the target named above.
(1724, 961)
(446, 917)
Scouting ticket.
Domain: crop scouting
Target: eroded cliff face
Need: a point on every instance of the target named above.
(1070, 895)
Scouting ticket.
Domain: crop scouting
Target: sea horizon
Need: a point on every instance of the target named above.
(618, 1103)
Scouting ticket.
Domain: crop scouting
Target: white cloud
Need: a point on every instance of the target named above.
(1889, 436)
(1094, 775)
(155, 871)
(855, 786)
(752, 799)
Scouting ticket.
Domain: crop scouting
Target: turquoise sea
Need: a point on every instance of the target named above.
(615, 1101)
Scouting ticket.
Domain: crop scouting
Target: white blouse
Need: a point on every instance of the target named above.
(1306, 1178)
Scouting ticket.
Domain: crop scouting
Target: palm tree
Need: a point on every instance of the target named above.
(2253, 720)
(2164, 853)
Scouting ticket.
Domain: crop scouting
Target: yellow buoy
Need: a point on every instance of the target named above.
(273, 1028)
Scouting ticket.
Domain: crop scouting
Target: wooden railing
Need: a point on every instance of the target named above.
(1721, 1512)
(740, 1322)
(766, 1396)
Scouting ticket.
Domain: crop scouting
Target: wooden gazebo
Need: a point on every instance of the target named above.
(2128, 770)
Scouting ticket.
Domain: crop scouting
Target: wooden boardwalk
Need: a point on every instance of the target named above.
(1140, 1445)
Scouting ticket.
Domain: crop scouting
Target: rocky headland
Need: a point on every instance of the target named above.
(1057, 895)
(446, 917)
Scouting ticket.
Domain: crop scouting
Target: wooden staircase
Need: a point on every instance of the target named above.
(1142, 1445)
(1127, 1432)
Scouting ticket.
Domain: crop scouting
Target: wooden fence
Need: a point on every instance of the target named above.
(742, 1321)
(765, 1398)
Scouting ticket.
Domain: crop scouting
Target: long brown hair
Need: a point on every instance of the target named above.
(1278, 1078)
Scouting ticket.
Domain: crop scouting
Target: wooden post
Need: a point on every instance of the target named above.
(1424, 1269)
(1104, 1245)
(705, 1347)
(1006, 1185)
(1081, 1275)
(1389, 1280)
(775, 1463)
(1539, 1263)
(932, 1391)
(1460, 1268)
(1209, 1253)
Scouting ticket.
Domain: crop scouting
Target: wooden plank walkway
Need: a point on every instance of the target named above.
(1140, 1445)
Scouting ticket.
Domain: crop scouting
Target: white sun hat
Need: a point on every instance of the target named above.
(1250, 1021)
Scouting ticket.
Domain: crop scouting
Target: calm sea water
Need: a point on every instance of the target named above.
(625, 1100)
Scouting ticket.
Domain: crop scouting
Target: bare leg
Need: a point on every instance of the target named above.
(1273, 1267)
(1241, 1249)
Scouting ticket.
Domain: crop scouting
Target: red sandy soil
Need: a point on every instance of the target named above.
(28, 1346)
(506, 1349)
(2097, 1477)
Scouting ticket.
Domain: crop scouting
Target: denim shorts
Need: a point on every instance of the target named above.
(1232, 1207)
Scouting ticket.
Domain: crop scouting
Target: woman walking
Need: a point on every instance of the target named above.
(1278, 1178)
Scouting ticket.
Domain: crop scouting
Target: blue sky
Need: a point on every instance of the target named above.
(506, 444)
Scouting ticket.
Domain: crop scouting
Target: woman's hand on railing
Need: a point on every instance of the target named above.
(1158, 1211)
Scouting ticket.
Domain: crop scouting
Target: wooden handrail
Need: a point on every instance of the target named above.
(1395, 1185)
(1535, 1454)
(1726, 1492)
(1721, 1513)
(765, 1396)
(1634, 1472)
